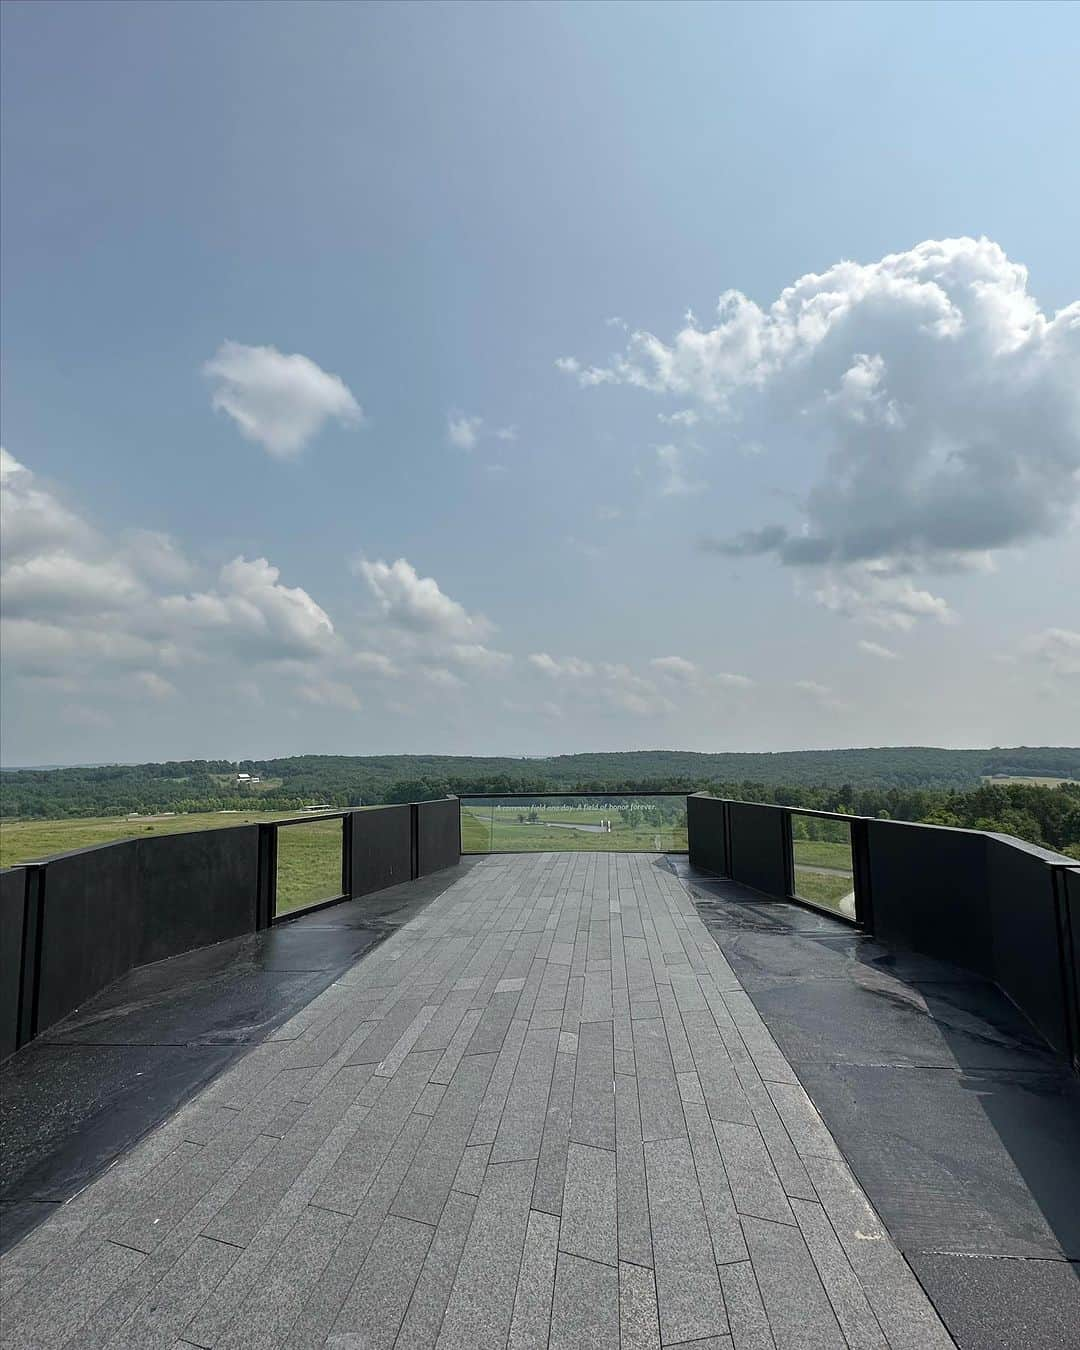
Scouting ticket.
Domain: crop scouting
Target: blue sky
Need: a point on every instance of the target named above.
(352, 403)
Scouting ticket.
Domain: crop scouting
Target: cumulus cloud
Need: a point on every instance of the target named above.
(725, 677)
(463, 432)
(417, 603)
(877, 650)
(567, 667)
(54, 584)
(676, 668)
(872, 592)
(280, 401)
(254, 609)
(32, 519)
(942, 404)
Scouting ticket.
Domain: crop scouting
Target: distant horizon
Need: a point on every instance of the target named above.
(562, 754)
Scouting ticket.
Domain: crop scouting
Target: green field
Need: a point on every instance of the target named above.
(511, 829)
(308, 864)
(309, 855)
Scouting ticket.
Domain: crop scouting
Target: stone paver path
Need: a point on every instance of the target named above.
(544, 1113)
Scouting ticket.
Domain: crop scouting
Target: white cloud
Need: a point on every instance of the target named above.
(54, 584)
(32, 519)
(417, 604)
(876, 649)
(942, 404)
(725, 677)
(509, 433)
(674, 482)
(251, 608)
(572, 667)
(463, 432)
(373, 663)
(873, 593)
(587, 376)
(282, 402)
(676, 668)
(686, 417)
(475, 656)
(1056, 648)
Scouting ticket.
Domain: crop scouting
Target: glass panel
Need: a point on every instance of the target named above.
(308, 863)
(572, 823)
(824, 873)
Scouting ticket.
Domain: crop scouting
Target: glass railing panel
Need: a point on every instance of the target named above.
(649, 823)
(309, 863)
(823, 869)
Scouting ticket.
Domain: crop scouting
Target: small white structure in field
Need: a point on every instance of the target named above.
(243, 778)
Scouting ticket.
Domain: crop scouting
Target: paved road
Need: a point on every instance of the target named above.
(543, 1113)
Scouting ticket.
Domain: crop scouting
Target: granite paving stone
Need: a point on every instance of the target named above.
(589, 1210)
(543, 1113)
(481, 1303)
(585, 1310)
(639, 1321)
(531, 1322)
(375, 1309)
(687, 1284)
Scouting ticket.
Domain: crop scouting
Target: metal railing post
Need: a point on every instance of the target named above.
(346, 854)
(30, 964)
(266, 883)
(860, 868)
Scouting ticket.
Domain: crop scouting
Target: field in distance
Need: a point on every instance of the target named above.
(529, 828)
(23, 840)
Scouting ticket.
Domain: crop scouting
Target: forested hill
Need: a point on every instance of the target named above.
(343, 780)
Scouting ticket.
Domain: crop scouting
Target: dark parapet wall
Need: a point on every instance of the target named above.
(758, 847)
(73, 923)
(381, 849)
(1025, 936)
(1001, 908)
(929, 889)
(193, 890)
(12, 919)
(105, 910)
(89, 926)
(706, 828)
(438, 835)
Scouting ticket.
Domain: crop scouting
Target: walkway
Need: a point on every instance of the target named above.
(544, 1112)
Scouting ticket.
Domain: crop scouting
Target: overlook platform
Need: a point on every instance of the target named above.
(565, 1103)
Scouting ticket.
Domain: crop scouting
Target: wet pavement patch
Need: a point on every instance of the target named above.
(957, 1119)
(74, 1100)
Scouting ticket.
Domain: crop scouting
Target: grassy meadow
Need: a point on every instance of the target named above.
(309, 855)
(510, 828)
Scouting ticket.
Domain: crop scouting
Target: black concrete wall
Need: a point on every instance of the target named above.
(929, 887)
(758, 845)
(194, 889)
(381, 848)
(705, 833)
(982, 901)
(1025, 936)
(88, 926)
(107, 909)
(438, 835)
(12, 916)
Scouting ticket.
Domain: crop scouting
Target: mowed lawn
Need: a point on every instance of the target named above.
(309, 854)
(501, 831)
